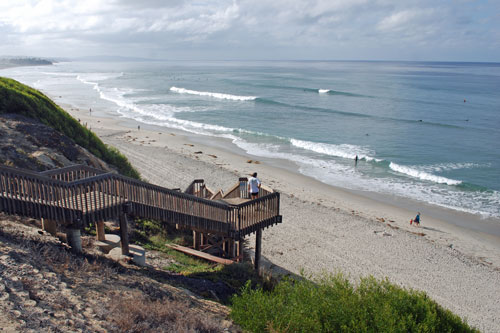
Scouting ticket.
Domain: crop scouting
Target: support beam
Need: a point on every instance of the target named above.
(258, 246)
(239, 252)
(124, 233)
(101, 236)
(196, 239)
(232, 248)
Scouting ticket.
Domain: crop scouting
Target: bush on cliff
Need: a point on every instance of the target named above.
(18, 98)
(333, 304)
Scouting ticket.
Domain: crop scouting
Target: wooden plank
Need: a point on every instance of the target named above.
(200, 254)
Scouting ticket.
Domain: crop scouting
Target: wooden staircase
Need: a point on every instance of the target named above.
(76, 196)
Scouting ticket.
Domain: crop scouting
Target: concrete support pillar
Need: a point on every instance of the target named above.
(49, 226)
(258, 247)
(74, 239)
(101, 236)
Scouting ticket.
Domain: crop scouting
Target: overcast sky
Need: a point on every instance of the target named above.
(461, 30)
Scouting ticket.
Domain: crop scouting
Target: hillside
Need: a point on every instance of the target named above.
(21, 100)
(45, 287)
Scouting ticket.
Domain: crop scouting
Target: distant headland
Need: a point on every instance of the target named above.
(12, 61)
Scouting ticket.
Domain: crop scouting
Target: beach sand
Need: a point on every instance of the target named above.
(328, 229)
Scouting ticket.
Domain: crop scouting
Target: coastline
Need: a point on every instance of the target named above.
(328, 229)
(448, 227)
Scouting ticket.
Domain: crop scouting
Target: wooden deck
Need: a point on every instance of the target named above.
(80, 195)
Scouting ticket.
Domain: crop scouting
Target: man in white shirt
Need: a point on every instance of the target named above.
(254, 186)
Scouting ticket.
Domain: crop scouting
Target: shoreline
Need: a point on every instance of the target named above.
(469, 233)
(326, 229)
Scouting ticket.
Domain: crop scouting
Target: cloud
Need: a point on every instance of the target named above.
(247, 28)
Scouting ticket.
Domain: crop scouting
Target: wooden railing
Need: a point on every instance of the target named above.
(240, 190)
(74, 172)
(87, 195)
(199, 189)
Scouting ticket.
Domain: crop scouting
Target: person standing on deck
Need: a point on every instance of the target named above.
(254, 186)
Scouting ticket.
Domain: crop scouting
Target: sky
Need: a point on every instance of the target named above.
(415, 30)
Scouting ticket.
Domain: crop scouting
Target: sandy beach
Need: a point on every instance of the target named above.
(328, 229)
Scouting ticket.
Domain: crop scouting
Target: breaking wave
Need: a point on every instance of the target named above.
(212, 94)
(423, 175)
(342, 150)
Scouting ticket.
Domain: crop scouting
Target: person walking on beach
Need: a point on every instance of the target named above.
(416, 220)
(254, 186)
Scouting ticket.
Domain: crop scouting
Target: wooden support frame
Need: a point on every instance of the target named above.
(101, 236)
(258, 248)
(221, 245)
(124, 234)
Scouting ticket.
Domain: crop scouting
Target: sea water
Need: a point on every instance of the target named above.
(421, 130)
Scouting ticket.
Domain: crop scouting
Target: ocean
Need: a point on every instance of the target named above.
(427, 131)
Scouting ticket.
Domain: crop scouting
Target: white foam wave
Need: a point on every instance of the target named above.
(343, 150)
(422, 175)
(451, 166)
(323, 91)
(212, 94)
(58, 74)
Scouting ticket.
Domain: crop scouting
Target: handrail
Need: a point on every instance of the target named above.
(199, 189)
(76, 167)
(239, 190)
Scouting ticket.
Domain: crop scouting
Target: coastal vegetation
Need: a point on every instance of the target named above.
(155, 236)
(20, 99)
(332, 304)
(329, 303)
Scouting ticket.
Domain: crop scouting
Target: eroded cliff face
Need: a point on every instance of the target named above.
(28, 144)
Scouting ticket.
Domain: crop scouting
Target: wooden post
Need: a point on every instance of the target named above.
(240, 250)
(232, 248)
(196, 240)
(101, 236)
(124, 233)
(49, 226)
(258, 246)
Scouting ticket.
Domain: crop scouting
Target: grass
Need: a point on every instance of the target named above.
(154, 235)
(332, 304)
(20, 99)
(140, 314)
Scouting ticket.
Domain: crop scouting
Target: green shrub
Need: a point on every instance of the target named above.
(333, 304)
(21, 99)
